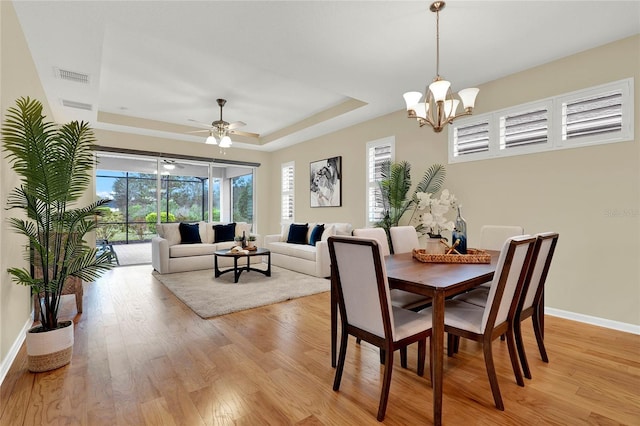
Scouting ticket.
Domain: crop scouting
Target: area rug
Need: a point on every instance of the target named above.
(210, 297)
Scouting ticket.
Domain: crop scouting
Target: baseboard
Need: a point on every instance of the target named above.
(13, 352)
(588, 319)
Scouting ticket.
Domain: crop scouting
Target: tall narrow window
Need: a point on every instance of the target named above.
(377, 153)
(242, 198)
(288, 173)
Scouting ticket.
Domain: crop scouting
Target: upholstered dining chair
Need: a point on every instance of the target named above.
(492, 237)
(403, 239)
(399, 298)
(366, 311)
(531, 303)
(532, 299)
(485, 324)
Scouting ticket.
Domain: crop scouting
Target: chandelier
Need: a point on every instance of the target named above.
(439, 106)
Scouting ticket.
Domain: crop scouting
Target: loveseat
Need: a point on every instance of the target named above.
(171, 253)
(308, 251)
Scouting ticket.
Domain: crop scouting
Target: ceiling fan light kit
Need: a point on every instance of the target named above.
(439, 106)
(220, 130)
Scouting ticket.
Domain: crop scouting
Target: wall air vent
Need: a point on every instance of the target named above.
(73, 76)
(77, 105)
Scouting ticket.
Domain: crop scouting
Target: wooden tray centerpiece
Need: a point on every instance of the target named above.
(472, 256)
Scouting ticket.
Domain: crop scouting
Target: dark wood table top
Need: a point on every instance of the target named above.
(408, 273)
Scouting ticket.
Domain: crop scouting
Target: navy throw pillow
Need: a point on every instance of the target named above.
(224, 232)
(298, 233)
(189, 233)
(316, 234)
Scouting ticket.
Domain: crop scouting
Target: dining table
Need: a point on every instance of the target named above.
(438, 281)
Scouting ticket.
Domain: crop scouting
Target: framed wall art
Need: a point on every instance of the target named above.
(326, 182)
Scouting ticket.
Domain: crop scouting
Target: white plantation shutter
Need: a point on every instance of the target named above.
(524, 128)
(592, 116)
(377, 154)
(471, 138)
(287, 192)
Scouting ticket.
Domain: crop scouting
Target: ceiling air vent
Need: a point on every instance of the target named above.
(77, 105)
(73, 76)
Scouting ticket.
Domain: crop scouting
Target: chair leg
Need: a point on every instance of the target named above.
(517, 330)
(450, 343)
(456, 343)
(422, 347)
(403, 357)
(358, 340)
(386, 383)
(511, 345)
(382, 355)
(539, 332)
(491, 372)
(344, 338)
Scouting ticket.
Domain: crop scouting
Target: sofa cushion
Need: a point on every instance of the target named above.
(329, 231)
(170, 232)
(298, 233)
(189, 233)
(316, 234)
(224, 232)
(299, 251)
(188, 250)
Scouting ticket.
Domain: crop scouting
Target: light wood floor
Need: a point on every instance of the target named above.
(141, 357)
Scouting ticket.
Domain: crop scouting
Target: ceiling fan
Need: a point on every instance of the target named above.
(171, 164)
(220, 130)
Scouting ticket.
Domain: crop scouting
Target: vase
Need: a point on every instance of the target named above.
(48, 350)
(460, 233)
(434, 246)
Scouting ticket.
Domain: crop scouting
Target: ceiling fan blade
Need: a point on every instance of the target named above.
(200, 131)
(236, 124)
(247, 134)
(205, 125)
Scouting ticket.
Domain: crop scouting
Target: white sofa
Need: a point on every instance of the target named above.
(304, 258)
(169, 256)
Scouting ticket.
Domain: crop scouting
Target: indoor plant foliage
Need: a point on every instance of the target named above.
(394, 191)
(53, 163)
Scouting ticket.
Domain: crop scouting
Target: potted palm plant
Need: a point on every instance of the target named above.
(53, 163)
(394, 192)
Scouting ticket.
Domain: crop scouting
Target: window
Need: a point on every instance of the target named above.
(242, 198)
(377, 153)
(287, 206)
(525, 127)
(601, 114)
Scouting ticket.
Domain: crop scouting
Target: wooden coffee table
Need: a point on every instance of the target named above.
(237, 270)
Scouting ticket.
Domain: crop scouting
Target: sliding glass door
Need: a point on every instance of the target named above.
(144, 191)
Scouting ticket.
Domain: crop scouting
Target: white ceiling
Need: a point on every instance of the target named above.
(290, 70)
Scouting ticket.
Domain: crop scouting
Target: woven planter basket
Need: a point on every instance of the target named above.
(51, 349)
(472, 256)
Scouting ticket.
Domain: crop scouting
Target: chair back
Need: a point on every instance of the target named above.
(404, 239)
(361, 282)
(539, 267)
(508, 280)
(377, 234)
(492, 237)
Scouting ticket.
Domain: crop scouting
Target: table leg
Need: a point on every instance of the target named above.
(236, 273)
(216, 270)
(268, 264)
(437, 355)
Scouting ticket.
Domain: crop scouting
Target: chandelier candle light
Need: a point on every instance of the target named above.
(439, 106)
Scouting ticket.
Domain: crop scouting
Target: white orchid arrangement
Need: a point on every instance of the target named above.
(435, 208)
